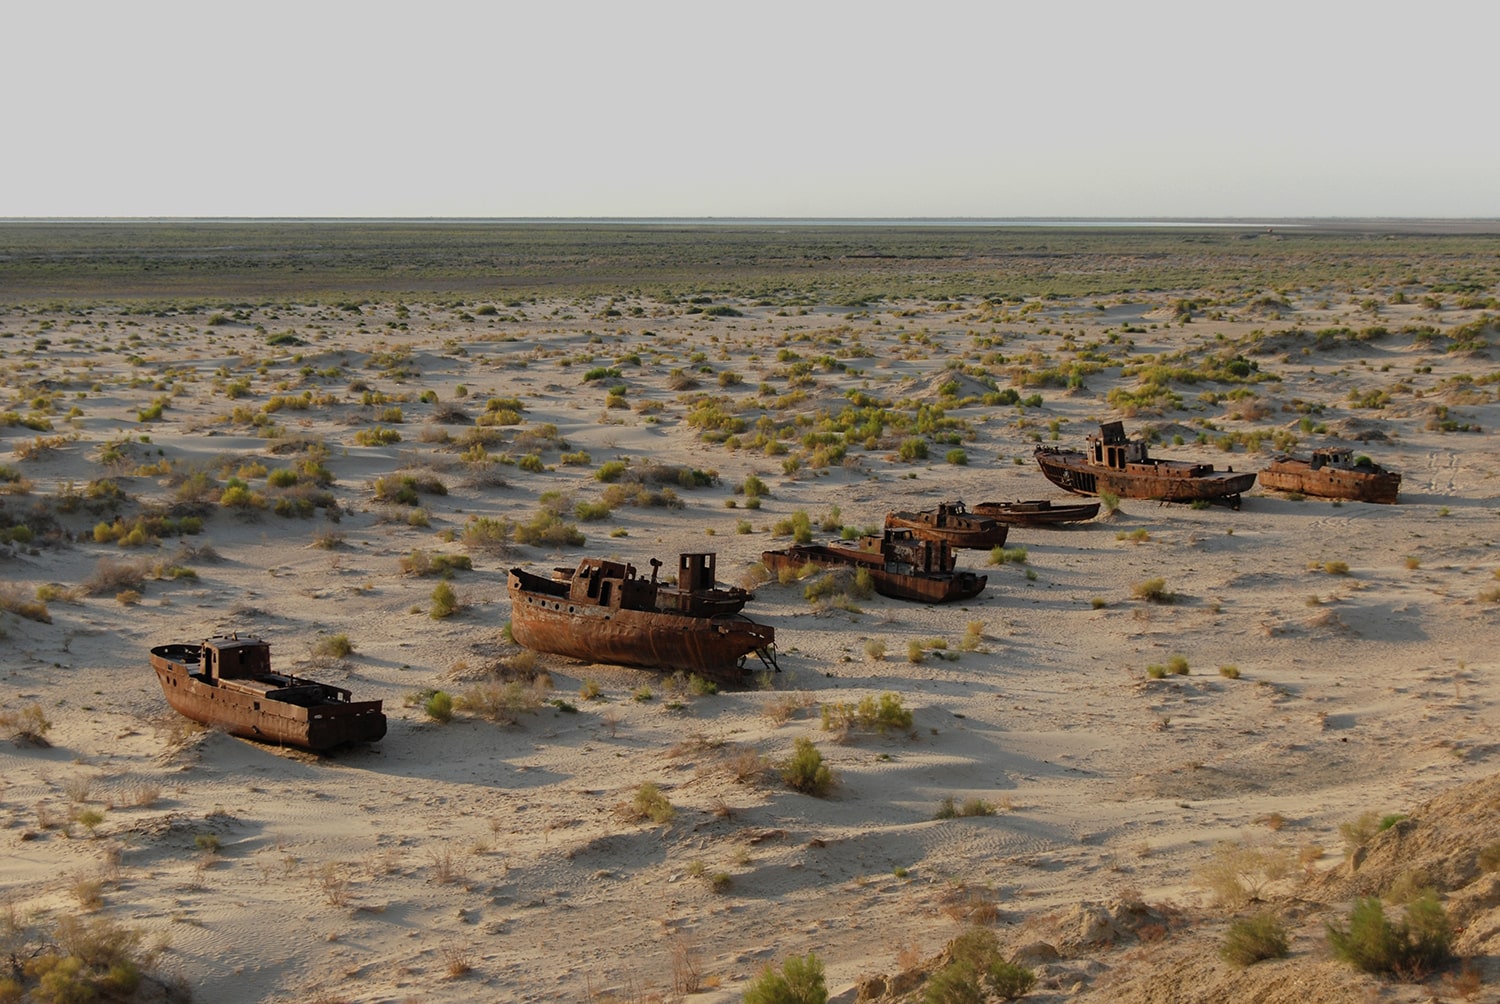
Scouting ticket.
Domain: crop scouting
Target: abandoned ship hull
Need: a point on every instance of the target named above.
(545, 619)
(1038, 512)
(1159, 480)
(924, 587)
(1290, 474)
(968, 532)
(271, 708)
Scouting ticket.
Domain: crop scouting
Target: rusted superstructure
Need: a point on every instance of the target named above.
(602, 611)
(900, 564)
(951, 523)
(1038, 512)
(1333, 473)
(227, 682)
(1124, 467)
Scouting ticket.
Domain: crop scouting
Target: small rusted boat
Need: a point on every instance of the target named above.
(1332, 473)
(1124, 467)
(1038, 512)
(602, 611)
(227, 682)
(951, 523)
(900, 564)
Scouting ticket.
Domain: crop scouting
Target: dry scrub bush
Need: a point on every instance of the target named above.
(15, 601)
(112, 576)
(458, 961)
(1238, 873)
(26, 727)
(783, 707)
(504, 701)
(333, 646)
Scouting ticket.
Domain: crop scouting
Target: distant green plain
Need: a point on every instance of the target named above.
(56, 264)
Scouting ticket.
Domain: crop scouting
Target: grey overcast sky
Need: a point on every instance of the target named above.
(650, 108)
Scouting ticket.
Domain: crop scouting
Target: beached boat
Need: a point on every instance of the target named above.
(1332, 473)
(951, 523)
(900, 564)
(227, 682)
(1123, 467)
(1038, 512)
(602, 611)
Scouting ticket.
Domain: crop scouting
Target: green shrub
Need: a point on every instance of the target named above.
(976, 972)
(335, 646)
(1411, 949)
(1252, 939)
(884, 714)
(805, 770)
(799, 981)
(912, 449)
(438, 704)
(377, 436)
(650, 803)
(1153, 591)
(444, 602)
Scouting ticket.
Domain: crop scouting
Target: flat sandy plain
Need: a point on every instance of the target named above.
(477, 860)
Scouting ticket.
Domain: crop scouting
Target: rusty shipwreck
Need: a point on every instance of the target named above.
(227, 682)
(602, 611)
(1125, 468)
(1038, 512)
(900, 565)
(951, 523)
(1332, 473)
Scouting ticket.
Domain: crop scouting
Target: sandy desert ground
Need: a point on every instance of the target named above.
(1340, 657)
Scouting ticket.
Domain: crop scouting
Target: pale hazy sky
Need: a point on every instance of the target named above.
(1035, 108)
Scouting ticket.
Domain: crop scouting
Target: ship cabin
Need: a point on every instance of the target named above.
(1110, 448)
(602, 583)
(1331, 456)
(235, 658)
(696, 571)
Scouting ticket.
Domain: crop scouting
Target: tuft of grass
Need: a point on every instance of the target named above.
(1229, 671)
